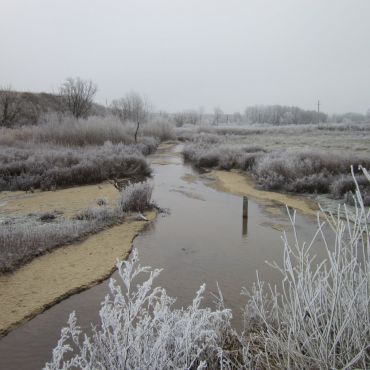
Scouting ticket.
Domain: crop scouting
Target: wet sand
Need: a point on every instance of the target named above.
(237, 183)
(67, 270)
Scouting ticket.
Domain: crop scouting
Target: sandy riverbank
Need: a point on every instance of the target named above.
(240, 184)
(69, 201)
(54, 276)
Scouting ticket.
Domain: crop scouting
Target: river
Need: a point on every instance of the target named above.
(203, 239)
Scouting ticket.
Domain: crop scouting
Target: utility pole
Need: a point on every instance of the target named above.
(318, 111)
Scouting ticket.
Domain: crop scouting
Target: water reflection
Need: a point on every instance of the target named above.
(245, 217)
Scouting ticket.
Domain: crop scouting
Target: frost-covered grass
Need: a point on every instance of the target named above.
(136, 197)
(48, 167)
(24, 238)
(319, 319)
(67, 131)
(21, 240)
(349, 137)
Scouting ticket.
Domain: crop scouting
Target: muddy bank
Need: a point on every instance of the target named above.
(236, 183)
(54, 276)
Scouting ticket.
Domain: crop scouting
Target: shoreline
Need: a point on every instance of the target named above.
(55, 276)
(240, 184)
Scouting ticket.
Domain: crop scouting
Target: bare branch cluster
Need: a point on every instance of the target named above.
(78, 96)
(10, 107)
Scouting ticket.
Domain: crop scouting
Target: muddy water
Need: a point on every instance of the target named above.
(204, 239)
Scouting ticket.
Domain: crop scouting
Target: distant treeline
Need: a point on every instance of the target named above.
(283, 115)
(75, 97)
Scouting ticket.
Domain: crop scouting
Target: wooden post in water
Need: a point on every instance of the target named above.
(245, 207)
(245, 216)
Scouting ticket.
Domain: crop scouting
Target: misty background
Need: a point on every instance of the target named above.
(191, 54)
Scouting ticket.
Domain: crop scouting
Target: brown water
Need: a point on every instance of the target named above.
(204, 239)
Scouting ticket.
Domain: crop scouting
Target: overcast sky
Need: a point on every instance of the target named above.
(186, 54)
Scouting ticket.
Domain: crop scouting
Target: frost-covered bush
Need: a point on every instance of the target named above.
(50, 167)
(224, 157)
(140, 329)
(160, 129)
(345, 187)
(308, 171)
(321, 318)
(83, 132)
(100, 214)
(136, 197)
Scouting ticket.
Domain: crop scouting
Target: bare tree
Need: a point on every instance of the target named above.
(217, 116)
(179, 118)
(192, 116)
(10, 107)
(237, 117)
(133, 107)
(200, 114)
(78, 95)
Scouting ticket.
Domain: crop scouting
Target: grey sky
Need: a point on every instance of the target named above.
(190, 53)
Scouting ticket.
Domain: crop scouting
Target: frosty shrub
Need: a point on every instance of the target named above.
(101, 214)
(318, 319)
(345, 187)
(51, 167)
(307, 171)
(224, 156)
(140, 329)
(136, 197)
(160, 129)
(321, 319)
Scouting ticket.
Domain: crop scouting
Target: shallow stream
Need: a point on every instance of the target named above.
(203, 239)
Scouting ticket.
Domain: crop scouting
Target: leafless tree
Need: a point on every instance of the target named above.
(180, 119)
(10, 107)
(237, 117)
(200, 114)
(78, 95)
(192, 116)
(133, 107)
(217, 116)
